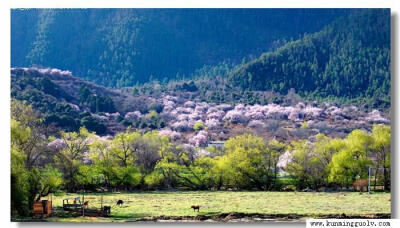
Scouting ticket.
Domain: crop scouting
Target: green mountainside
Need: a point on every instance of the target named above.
(348, 59)
(122, 47)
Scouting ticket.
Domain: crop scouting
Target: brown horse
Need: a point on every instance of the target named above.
(195, 207)
(360, 185)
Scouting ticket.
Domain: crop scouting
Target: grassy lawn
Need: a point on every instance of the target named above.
(177, 204)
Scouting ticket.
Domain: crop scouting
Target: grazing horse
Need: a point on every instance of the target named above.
(360, 185)
(195, 207)
(120, 202)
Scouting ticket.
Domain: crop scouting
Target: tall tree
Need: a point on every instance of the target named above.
(29, 179)
(72, 156)
(352, 161)
(381, 151)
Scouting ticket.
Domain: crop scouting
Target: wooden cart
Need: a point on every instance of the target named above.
(70, 204)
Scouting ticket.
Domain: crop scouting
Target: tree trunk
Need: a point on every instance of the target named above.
(375, 178)
(386, 179)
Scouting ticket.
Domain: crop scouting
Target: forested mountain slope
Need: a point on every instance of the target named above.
(349, 59)
(66, 101)
(120, 47)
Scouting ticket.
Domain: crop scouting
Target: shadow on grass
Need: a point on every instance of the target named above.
(130, 217)
(224, 217)
(214, 216)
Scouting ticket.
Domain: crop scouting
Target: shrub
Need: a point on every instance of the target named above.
(198, 126)
(304, 125)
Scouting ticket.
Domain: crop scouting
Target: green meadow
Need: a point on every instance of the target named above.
(279, 205)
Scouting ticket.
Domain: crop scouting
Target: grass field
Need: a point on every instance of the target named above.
(172, 205)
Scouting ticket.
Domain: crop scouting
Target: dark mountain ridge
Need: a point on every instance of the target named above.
(122, 47)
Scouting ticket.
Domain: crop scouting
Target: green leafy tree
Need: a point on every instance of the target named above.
(352, 161)
(103, 161)
(70, 158)
(19, 185)
(300, 166)
(195, 173)
(50, 180)
(27, 132)
(29, 181)
(381, 136)
(154, 179)
(121, 148)
(89, 177)
(324, 149)
(246, 154)
(127, 177)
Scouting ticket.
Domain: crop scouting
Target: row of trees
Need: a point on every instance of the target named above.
(41, 164)
(339, 162)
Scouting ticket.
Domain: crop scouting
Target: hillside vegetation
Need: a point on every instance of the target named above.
(350, 58)
(65, 101)
(121, 47)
